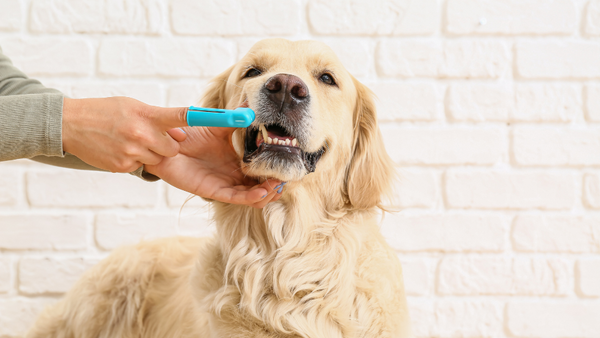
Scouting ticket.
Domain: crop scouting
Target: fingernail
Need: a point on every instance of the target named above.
(264, 196)
(183, 130)
(280, 190)
(277, 186)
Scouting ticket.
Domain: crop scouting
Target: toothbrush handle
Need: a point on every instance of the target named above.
(211, 117)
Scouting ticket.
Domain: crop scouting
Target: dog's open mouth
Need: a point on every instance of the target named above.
(276, 144)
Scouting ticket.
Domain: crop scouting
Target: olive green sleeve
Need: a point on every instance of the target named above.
(31, 122)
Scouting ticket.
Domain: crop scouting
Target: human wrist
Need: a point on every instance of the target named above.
(69, 116)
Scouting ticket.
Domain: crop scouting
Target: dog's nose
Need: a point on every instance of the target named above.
(287, 89)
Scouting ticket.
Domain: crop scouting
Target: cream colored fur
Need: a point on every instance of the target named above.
(312, 264)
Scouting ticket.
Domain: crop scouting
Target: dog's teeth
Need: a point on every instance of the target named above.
(269, 140)
(281, 142)
(263, 130)
(259, 137)
(287, 142)
(294, 142)
(275, 140)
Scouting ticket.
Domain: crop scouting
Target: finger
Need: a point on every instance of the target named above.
(151, 158)
(235, 196)
(178, 134)
(170, 117)
(165, 145)
(266, 200)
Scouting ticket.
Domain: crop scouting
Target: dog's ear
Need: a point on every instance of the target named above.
(214, 97)
(371, 172)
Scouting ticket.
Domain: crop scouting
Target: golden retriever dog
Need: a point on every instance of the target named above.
(312, 264)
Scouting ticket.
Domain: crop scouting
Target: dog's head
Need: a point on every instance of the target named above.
(312, 117)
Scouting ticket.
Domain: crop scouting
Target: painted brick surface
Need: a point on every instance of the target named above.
(511, 17)
(43, 231)
(485, 59)
(457, 318)
(237, 17)
(491, 109)
(429, 146)
(509, 190)
(89, 189)
(558, 60)
(503, 276)
(51, 275)
(592, 95)
(5, 274)
(536, 233)
(556, 146)
(521, 103)
(591, 190)
(11, 15)
(553, 320)
(50, 56)
(448, 233)
(90, 16)
(588, 277)
(356, 17)
(165, 57)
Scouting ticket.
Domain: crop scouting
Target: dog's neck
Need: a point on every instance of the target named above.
(287, 257)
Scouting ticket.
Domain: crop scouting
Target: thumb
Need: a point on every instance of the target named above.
(169, 118)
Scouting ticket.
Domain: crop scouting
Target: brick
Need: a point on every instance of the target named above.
(558, 60)
(592, 104)
(592, 18)
(556, 146)
(17, 315)
(5, 274)
(431, 146)
(11, 15)
(470, 276)
(573, 234)
(416, 189)
(509, 190)
(355, 55)
(521, 103)
(445, 233)
(355, 17)
(236, 17)
(588, 277)
(166, 57)
(553, 319)
(591, 190)
(452, 59)
(114, 230)
(43, 231)
(511, 17)
(418, 276)
(148, 93)
(185, 95)
(407, 102)
(178, 198)
(88, 189)
(197, 223)
(456, 319)
(91, 16)
(10, 186)
(51, 275)
(50, 56)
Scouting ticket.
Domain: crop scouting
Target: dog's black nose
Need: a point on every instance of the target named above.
(286, 89)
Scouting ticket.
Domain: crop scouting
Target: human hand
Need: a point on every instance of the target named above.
(120, 134)
(208, 166)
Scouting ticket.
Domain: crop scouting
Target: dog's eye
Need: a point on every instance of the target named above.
(252, 72)
(327, 79)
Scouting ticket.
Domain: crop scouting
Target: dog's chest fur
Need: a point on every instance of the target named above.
(310, 276)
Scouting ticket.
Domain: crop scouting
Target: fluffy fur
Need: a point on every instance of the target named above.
(312, 264)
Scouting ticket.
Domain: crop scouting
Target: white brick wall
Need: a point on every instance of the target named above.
(491, 108)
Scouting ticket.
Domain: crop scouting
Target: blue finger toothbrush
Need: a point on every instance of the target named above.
(210, 117)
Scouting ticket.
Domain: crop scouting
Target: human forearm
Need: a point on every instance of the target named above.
(15, 82)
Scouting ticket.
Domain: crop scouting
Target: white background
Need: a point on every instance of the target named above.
(491, 109)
